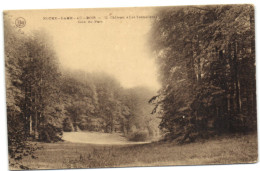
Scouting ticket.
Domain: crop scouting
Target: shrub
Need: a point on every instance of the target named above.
(67, 125)
(50, 133)
(138, 136)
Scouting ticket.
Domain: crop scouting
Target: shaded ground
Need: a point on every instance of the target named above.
(224, 150)
(97, 138)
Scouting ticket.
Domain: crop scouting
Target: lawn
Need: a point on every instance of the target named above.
(221, 150)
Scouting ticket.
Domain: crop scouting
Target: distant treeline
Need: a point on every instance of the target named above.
(43, 99)
(97, 102)
(206, 56)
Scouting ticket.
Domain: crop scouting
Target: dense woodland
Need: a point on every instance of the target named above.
(44, 99)
(206, 60)
(206, 56)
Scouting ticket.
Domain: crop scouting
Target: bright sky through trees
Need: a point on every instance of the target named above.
(118, 47)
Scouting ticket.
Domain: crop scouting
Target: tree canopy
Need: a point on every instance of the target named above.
(206, 56)
(44, 99)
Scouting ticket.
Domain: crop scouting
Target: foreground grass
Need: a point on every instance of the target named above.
(224, 150)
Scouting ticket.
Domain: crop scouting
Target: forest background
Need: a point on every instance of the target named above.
(20, 6)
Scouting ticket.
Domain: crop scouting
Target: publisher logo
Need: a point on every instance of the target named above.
(20, 22)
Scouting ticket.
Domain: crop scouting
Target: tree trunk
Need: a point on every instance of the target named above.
(31, 128)
(236, 79)
(36, 134)
(231, 87)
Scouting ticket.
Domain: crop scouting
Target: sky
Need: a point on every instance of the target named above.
(118, 47)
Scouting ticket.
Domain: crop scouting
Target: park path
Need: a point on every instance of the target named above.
(97, 138)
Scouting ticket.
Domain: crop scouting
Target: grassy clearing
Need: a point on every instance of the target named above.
(224, 150)
(98, 138)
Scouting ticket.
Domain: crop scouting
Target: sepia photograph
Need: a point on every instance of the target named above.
(130, 86)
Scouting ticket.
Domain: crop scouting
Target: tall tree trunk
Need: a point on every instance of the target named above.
(31, 112)
(26, 111)
(236, 79)
(253, 88)
(231, 87)
(31, 127)
(36, 126)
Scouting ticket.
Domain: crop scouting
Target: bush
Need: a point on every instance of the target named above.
(139, 136)
(50, 133)
(67, 125)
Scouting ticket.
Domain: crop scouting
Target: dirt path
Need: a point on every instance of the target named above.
(97, 138)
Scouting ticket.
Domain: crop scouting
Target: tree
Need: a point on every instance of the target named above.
(200, 58)
(18, 146)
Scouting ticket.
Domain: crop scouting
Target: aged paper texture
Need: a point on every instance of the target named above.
(121, 87)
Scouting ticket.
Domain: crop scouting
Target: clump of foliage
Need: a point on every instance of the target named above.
(67, 125)
(32, 78)
(43, 100)
(97, 102)
(206, 56)
(138, 136)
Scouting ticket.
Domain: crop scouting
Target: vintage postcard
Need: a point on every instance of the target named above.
(121, 87)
